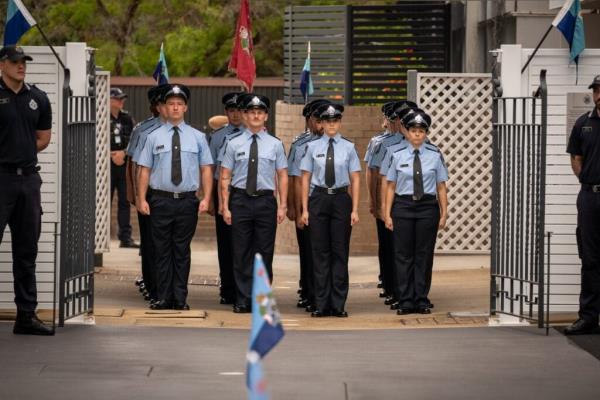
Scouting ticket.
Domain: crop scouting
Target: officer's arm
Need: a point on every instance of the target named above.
(206, 176)
(306, 175)
(389, 200)
(576, 164)
(142, 188)
(225, 181)
(297, 203)
(355, 187)
(42, 139)
(442, 192)
(282, 178)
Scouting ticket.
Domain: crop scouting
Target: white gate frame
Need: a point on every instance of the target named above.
(102, 162)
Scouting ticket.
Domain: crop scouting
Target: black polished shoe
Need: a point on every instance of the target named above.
(424, 310)
(27, 323)
(582, 327)
(184, 307)
(129, 244)
(226, 300)
(302, 303)
(405, 311)
(139, 281)
(383, 294)
(320, 314)
(395, 306)
(339, 313)
(241, 309)
(161, 305)
(310, 308)
(389, 301)
(379, 285)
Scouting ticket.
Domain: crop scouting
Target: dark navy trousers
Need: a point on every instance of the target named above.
(588, 243)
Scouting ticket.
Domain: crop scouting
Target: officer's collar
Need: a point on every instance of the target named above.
(25, 86)
(336, 137)
(595, 113)
(259, 135)
(170, 126)
(412, 149)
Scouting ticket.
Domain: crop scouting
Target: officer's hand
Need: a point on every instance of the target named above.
(118, 157)
(220, 211)
(354, 218)
(372, 210)
(227, 216)
(291, 214)
(442, 223)
(203, 206)
(299, 222)
(211, 208)
(281, 214)
(143, 207)
(305, 218)
(389, 223)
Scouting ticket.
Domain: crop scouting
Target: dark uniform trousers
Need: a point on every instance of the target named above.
(173, 227)
(588, 241)
(415, 233)
(380, 225)
(330, 230)
(306, 269)
(20, 208)
(118, 181)
(224, 251)
(147, 253)
(388, 262)
(253, 229)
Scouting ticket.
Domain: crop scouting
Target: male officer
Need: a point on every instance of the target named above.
(25, 124)
(254, 165)
(121, 125)
(172, 162)
(224, 248)
(584, 147)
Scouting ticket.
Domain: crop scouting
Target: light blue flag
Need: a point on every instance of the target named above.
(266, 330)
(306, 84)
(18, 21)
(569, 22)
(161, 72)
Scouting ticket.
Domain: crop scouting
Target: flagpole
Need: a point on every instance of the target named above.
(51, 47)
(536, 49)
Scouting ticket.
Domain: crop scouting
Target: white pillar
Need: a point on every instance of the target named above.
(76, 61)
(510, 76)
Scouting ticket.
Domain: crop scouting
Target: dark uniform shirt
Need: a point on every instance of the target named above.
(585, 141)
(120, 131)
(21, 115)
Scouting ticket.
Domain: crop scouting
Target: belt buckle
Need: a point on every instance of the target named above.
(176, 195)
(330, 191)
(596, 188)
(19, 171)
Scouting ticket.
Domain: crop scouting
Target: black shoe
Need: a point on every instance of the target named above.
(146, 295)
(184, 307)
(379, 285)
(27, 323)
(161, 305)
(424, 310)
(226, 300)
(303, 303)
(582, 327)
(383, 294)
(389, 301)
(139, 281)
(241, 309)
(310, 308)
(129, 244)
(405, 311)
(319, 314)
(142, 287)
(395, 306)
(340, 313)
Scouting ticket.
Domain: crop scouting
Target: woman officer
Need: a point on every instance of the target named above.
(416, 174)
(331, 175)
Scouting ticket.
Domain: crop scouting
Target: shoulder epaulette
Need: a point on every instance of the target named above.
(348, 140)
(300, 136)
(432, 147)
(400, 149)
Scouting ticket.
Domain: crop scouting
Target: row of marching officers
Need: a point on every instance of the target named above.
(250, 186)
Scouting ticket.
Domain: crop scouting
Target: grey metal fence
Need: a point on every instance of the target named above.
(518, 201)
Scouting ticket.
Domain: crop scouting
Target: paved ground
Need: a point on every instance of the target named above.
(108, 362)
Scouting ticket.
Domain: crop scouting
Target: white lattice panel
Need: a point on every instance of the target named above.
(102, 162)
(461, 108)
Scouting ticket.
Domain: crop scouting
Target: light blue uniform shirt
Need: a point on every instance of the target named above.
(217, 138)
(389, 153)
(221, 151)
(372, 143)
(135, 134)
(345, 159)
(143, 136)
(157, 154)
(271, 157)
(295, 169)
(432, 166)
(379, 151)
(299, 139)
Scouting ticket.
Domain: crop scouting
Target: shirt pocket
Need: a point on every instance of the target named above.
(161, 153)
(190, 161)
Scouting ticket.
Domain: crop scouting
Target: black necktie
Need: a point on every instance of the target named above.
(252, 167)
(329, 163)
(417, 177)
(176, 157)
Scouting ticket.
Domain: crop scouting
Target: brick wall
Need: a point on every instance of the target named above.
(359, 124)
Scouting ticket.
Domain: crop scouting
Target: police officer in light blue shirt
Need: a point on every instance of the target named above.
(416, 207)
(330, 169)
(254, 165)
(173, 158)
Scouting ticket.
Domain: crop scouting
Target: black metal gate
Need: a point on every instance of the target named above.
(78, 209)
(518, 199)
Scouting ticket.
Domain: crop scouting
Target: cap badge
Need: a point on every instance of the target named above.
(33, 105)
(234, 98)
(331, 110)
(176, 90)
(419, 119)
(255, 101)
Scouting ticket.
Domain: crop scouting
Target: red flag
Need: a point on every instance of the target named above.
(242, 55)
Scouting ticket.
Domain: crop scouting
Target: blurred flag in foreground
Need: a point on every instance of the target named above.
(306, 84)
(18, 21)
(161, 72)
(569, 22)
(242, 54)
(266, 330)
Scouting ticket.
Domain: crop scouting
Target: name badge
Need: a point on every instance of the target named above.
(403, 165)
(586, 129)
(320, 155)
(243, 153)
(5, 101)
(160, 147)
(118, 139)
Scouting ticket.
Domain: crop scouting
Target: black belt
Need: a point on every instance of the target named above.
(410, 197)
(19, 171)
(320, 189)
(172, 195)
(590, 188)
(258, 193)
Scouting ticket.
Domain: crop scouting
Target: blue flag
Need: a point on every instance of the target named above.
(266, 330)
(161, 72)
(306, 84)
(569, 22)
(18, 21)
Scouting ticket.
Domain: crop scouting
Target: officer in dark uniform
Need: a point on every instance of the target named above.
(173, 159)
(416, 207)
(25, 125)
(584, 147)
(253, 166)
(223, 231)
(121, 126)
(331, 177)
